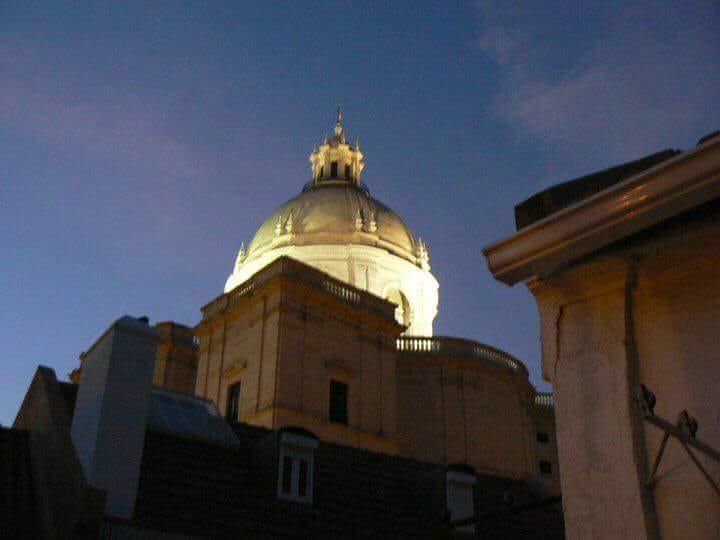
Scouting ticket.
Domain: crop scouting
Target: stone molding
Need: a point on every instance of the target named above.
(646, 199)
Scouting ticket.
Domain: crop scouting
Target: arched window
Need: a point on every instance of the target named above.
(402, 311)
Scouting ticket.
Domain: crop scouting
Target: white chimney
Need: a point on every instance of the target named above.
(111, 410)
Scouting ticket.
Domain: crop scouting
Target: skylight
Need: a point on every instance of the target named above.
(190, 416)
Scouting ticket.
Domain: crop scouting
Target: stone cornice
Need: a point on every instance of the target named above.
(644, 200)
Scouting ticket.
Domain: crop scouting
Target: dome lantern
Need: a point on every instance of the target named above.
(335, 160)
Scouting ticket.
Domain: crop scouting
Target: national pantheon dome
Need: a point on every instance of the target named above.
(335, 225)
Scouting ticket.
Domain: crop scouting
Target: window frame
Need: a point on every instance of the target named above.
(228, 401)
(541, 466)
(295, 450)
(463, 481)
(343, 420)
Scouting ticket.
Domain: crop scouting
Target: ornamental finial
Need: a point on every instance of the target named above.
(358, 221)
(241, 255)
(289, 224)
(338, 126)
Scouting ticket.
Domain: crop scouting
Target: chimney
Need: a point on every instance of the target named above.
(111, 411)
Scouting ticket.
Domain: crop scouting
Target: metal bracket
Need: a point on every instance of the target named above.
(684, 431)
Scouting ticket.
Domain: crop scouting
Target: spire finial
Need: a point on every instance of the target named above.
(338, 126)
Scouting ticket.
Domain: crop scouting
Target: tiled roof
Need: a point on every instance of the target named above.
(192, 487)
(17, 504)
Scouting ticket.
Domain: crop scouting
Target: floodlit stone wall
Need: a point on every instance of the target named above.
(644, 311)
(367, 268)
(455, 409)
(287, 339)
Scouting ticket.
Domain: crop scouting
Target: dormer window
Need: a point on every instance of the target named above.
(460, 497)
(333, 169)
(296, 468)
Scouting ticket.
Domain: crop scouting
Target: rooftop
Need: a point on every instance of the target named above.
(574, 219)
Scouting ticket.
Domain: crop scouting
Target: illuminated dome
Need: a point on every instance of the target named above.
(335, 225)
(336, 213)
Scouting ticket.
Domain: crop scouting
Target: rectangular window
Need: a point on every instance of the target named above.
(461, 498)
(542, 437)
(545, 467)
(338, 402)
(302, 478)
(233, 403)
(295, 480)
(347, 172)
(333, 169)
(287, 475)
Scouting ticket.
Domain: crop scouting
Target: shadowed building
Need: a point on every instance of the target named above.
(625, 267)
(115, 457)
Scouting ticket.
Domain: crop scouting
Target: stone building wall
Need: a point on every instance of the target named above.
(542, 417)
(643, 311)
(466, 410)
(287, 339)
(176, 358)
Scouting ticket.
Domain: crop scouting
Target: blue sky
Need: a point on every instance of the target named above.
(140, 143)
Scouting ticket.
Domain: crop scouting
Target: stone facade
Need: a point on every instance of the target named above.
(288, 332)
(627, 281)
(457, 407)
(644, 313)
(176, 360)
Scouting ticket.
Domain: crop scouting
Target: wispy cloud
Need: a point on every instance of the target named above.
(641, 80)
(72, 110)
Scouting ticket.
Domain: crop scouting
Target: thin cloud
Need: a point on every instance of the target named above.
(67, 108)
(643, 79)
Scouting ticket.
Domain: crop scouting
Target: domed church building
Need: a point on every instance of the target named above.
(326, 323)
(336, 226)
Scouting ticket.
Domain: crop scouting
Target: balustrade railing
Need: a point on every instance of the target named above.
(344, 292)
(544, 399)
(459, 347)
(305, 274)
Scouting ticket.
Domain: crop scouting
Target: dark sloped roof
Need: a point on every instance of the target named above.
(69, 393)
(193, 487)
(17, 504)
(560, 196)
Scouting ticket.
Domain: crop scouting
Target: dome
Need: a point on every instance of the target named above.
(337, 227)
(335, 213)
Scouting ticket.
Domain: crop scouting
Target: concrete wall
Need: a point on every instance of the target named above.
(111, 411)
(644, 311)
